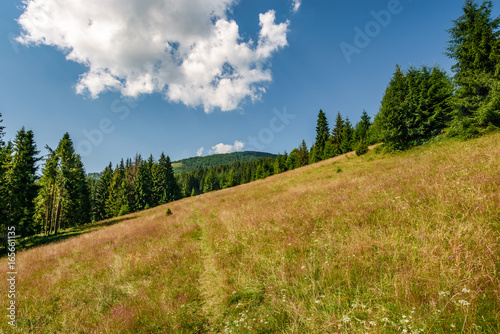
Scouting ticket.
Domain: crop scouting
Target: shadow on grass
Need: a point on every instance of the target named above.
(38, 240)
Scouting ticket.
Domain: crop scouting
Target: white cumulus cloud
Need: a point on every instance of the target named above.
(199, 153)
(296, 5)
(226, 148)
(187, 50)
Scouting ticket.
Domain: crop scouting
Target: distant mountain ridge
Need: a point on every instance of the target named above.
(189, 164)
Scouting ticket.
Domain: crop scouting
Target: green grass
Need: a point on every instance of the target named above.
(392, 243)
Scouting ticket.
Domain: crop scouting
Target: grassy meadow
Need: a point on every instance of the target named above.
(383, 243)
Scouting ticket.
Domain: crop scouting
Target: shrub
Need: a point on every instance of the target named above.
(361, 148)
(169, 212)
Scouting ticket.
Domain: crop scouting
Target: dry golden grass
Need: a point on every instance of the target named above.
(393, 243)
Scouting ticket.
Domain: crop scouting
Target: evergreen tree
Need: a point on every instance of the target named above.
(322, 134)
(211, 182)
(143, 186)
(475, 46)
(302, 155)
(347, 137)
(336, 137)
(362, 127)
(165, 185)
(2, 133)
(415, 107)
(102, 195)
(20, 179)
(117, 197)
(291, 161)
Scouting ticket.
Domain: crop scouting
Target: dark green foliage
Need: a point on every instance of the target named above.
(143, 185)
(169, 212)
(347, 137)
(20, 188)
(165, 187)
(475, 46)
(101, 195)
(191, 164)
(291, 161)
(322, 134)
(2, 133)
(361, 147)
(415, 107)
(302, 155)
(337, 135)
(362, 128)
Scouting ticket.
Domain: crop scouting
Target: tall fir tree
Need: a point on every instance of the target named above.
(101, 195)
(21, 183)
(336, 137)
(347, 137)
(302, 155)
(415, 107)
(322, 134)
(475, 46)
(165, 185)
(2, 132)
(64, 198)
(143, 185)
(362, 127)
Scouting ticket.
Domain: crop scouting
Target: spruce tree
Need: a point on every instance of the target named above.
(21, 184)
(102, 195)
(322, 134)
(362, 127)
(302, 155)
(415, 107)
(143, 186)
(475, 46)
(2, 133)
(337, 133)
(347, 137)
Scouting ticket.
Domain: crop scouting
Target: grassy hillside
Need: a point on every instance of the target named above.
(190, 164)
(405, 243)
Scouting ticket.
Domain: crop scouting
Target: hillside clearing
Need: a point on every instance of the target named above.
(379, 243)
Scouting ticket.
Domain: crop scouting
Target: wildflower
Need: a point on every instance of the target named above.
(317, 301)
(465, 290)
(385, 320)
(373, 323)
(463, 302)
(346, 319)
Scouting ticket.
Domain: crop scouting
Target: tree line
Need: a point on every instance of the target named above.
(418, 105)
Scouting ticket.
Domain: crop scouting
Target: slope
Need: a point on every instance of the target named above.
(376, 244)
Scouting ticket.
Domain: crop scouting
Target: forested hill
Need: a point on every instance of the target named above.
(190, 164)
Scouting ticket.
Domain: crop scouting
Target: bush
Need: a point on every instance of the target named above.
(169, 212)
(361, 148)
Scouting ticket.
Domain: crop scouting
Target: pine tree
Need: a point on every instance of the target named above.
(322, 134)
(165, 185)
(336, 137)
(20, 180)
(302, 155)
(102, 195)
(2, 133)
(475, 46)
(347, 137)
(143, 186)
(362, 127)
(415, 107)
(64, 198)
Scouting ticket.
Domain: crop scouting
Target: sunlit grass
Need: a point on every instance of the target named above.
(405, 243)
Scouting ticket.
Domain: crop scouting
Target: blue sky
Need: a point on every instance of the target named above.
(300, 63)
